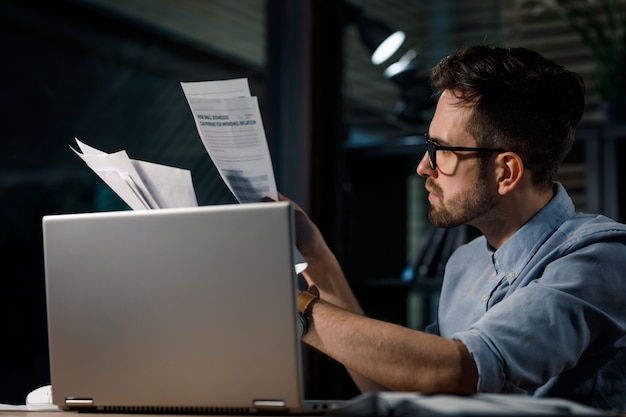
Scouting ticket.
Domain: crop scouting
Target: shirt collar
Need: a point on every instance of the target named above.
(516, 252)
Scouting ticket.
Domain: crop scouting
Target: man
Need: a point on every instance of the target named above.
(535, 305)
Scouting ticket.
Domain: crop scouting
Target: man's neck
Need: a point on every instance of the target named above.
(512, 212)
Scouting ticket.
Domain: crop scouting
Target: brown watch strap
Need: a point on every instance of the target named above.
(307, 298)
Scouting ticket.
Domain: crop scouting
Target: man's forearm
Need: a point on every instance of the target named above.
(395, 357)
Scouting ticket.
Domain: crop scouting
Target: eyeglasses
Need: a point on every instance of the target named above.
(432, 148)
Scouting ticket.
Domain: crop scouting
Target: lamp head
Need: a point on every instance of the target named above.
(415, 90)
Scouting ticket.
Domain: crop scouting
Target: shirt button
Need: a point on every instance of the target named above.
(511, 274)
(485, 297)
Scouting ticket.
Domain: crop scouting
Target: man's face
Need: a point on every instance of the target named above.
(459, 190)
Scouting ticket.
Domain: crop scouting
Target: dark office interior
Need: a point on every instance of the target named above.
(345, 134)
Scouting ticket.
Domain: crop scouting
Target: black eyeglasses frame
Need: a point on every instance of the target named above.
(432, 148)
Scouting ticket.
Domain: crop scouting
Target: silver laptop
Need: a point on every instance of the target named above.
(175, 310)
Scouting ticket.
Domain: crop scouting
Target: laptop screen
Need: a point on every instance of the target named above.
(176, 308)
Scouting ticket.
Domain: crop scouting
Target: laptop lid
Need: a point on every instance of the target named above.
(174, 309)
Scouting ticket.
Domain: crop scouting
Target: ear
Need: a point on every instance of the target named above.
(509, 171)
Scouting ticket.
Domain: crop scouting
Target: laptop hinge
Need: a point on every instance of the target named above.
(269, 405)
(75, 403)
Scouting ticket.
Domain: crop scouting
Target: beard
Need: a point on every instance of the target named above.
(463, 208)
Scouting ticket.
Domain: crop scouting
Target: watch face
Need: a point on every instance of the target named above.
(301, 321)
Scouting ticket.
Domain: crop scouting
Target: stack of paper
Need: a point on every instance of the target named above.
(412, 404)
(142, 185)
(230, 126)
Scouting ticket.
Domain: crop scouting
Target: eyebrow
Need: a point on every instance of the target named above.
(436, 140)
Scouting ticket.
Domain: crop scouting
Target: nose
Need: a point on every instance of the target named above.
(423, 168)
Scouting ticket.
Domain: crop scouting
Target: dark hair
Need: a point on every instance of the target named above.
(522, 102)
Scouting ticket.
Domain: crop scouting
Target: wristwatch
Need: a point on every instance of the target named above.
(306, 299)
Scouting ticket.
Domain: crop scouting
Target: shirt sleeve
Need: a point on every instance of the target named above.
(572, 308)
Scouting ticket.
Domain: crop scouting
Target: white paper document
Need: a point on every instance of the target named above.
(142, 185)
(412, 404)
(230, 126)
(229, 122)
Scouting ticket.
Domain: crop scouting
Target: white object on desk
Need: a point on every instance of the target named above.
(40, 399)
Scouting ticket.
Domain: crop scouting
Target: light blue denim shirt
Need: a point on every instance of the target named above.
(544, 314)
